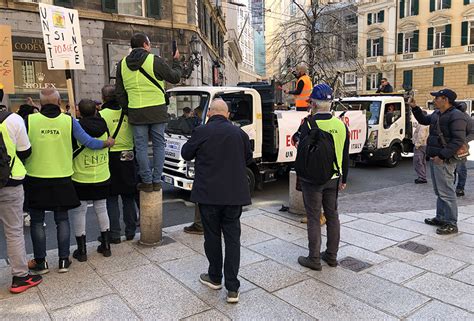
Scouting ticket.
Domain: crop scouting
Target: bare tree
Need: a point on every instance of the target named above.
(321, 37)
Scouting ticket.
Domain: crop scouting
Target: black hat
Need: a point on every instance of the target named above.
(448, 93)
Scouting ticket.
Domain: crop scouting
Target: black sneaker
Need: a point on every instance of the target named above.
(145, 187)
(128, 237)
(233, 297)
(325, 257)
(309, 263)
(64, 265)
(459, 192)
(193, 229)
(433, 221)
(206, 280)
(21, 284)
(156, 187)
(447, 229)
(420, 181)
(38, 268)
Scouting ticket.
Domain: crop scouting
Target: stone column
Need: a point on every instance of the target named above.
(151, 217)
(296, 197)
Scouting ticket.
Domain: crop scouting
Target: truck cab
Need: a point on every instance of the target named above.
(389, 127)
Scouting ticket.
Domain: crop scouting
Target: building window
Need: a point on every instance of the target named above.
(439, 36)
(373, 81)
(350, 78)
(131, 7)
(408, 79)
(352, 46)
(375, 47)
(439, 5)
(408, 42)
(377, 17)
(409, 8)
(438, 76)
(470, 74)
(351, 19)
(471, 31)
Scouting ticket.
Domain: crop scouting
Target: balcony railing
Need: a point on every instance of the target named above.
(470, 48)
(439, 52)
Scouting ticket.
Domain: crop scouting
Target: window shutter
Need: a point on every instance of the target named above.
(447, 37)
(408, 79)
(430, 38)
(466, 2)
(416, 41)
(109, 6)
(369, 19)
(464, 32)
(154, 9)
(368, 83)
(432, 5)
(402, 9)
(438, 76)
(63, 3)
(470, 74)
(446, 4)
(416, 7)
(380, 52)
(369, 43)
(381, 16)
(400, 43)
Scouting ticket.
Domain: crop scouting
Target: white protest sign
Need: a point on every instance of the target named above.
(62, 37)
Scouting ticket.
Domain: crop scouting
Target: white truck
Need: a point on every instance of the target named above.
(390, 127)
(269, 130)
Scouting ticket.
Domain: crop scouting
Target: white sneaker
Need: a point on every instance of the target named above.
(26, 219)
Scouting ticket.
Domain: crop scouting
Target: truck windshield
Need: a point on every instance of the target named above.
(188, 104)
(372, 108)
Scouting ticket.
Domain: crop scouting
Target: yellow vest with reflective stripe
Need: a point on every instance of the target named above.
(142, 92)
(301, 100)
(337, 129)
(91, 166)
(51, 146)
(18, 170)
(124, 139)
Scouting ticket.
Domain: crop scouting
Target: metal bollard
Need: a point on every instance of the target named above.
(151, 218)
(296, 197)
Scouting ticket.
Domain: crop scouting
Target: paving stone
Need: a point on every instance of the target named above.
(180, 269)
(418, 227)
(361, 254)
(253, 211)
(375, 291)
(458, 252)
(286, 217)
(436, 310)
(248, 257)
(163, 253)
(353, 264)
(412, 216)
(283, 252)
(274, 227)
(382, 230)
(27, 306)
(444, 289)
(124, 257)
(364, 240)
(209, 315)
(415, 247)
(326, 303)
(469, 220)
(344, 218)
(260, 305)
(6, 282)
(271, 275)
(375, 217)
(429, 212)
(3, 264)
(252, 236)
(193, 241)
(438, 263)
(466, 227)
(80, 284)
(464, 216)
(98, 309)
(303, 242)
(153, 293)
(466, 275)
(397, 272)
(401, 254)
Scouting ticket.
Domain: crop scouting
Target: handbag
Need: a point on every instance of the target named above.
(462, 153)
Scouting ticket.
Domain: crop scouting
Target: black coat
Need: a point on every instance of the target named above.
(222, 153)
(453, 124)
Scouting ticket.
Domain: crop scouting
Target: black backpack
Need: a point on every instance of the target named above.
(5, 167)
(316, 155)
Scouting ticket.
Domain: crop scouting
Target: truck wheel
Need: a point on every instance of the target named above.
(251, 180)
(394, 158)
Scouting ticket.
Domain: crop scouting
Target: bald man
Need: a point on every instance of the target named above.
(222, 153)
(304, 87)
(48, 183)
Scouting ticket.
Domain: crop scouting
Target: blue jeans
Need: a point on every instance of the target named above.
(140, 135)
(129, 215)
(38, 235)
(461, 172)
(446, 204)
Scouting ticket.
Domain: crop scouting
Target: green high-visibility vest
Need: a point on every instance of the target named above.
(142, 92)
(51, 146)
(91, 166)
(18, 170)
(337, 129)
(124, 139)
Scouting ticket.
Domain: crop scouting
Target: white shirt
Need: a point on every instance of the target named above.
(17, 132)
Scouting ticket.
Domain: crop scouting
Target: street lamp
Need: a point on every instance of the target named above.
(193, 59)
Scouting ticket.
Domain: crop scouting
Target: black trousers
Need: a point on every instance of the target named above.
(225, 219)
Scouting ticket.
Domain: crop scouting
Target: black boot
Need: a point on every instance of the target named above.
(104, 246)
(81, 253)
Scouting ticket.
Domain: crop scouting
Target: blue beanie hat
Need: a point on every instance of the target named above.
(322, 92)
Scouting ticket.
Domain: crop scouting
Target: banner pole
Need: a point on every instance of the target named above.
(70, 91)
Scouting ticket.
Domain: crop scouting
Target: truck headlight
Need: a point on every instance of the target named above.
(373, 139)
(190, 169)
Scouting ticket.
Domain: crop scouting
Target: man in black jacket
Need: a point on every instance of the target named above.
(448, 122)
(222, 152)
